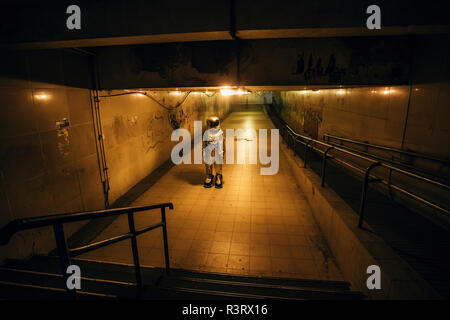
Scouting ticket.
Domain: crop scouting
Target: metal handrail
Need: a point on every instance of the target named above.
(368, 177)
(394, 162)
(327, 137)
(65, 254)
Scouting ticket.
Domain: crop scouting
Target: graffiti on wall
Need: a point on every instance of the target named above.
(155, 131)
(317, 68)
(303, 114)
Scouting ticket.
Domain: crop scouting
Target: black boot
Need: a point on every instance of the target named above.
(208, 181)
(219, 181)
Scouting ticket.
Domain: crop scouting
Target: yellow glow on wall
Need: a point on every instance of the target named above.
(42, 96)
(227, 92)
(241, 92)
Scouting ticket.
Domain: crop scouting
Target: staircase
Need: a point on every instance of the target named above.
(40, 278)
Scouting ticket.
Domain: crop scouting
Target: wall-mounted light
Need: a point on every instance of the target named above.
(227, 91)
(176, 93)
(340, 92)
(41, 96)
(241, 92)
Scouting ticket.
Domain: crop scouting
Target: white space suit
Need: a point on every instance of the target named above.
(213, 152)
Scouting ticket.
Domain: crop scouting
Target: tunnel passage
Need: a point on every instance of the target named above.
(264, 225)
(256, 225)
(88, 128)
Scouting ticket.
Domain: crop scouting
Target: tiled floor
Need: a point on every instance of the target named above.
(257, 225)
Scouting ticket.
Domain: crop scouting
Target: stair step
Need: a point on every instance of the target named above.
(233, 282)
(20, 291)
(180, 293)
(290, 282)
(121, 272)
(55, 281)
(254, 290)
(90, 269)
(40, 277)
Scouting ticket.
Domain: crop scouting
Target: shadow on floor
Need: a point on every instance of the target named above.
(194, 178)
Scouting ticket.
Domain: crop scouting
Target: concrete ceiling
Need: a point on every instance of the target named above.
(42, 24)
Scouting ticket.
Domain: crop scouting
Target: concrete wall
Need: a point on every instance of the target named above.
(254, 98)
(45, 169)
(376, 114)
(355, 248)
(269, 62)
(46, 166)
(48, 154)
(137, 130)
(379, 114)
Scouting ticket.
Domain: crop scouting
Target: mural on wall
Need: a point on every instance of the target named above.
(330, 61)
(323, 61)
(316, 69)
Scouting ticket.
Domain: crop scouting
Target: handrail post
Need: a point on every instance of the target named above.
(64, 256)
(295, 146)
(324, 164)
(305, 156)
(362, 203)
(294, 143)
(166, 245)
(134, 247)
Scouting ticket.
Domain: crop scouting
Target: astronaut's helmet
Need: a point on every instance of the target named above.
(213, 122)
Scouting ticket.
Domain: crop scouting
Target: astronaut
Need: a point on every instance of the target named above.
(213, 152)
